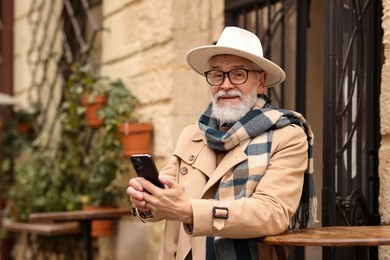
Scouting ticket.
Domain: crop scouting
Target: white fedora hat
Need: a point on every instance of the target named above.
(239, 42)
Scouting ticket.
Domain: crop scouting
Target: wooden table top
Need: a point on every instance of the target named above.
(79, 215)
(332, 236)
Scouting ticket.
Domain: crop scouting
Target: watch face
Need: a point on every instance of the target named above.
(145, 214)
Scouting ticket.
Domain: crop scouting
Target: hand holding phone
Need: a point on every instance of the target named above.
(145, 167)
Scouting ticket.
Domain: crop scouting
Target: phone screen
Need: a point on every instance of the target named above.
(145, 167)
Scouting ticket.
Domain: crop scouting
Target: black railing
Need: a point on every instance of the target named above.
(351, 118)
(60, 35)
(268, 19)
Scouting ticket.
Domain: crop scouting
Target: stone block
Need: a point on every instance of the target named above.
(21, 8)
(384, 175)
(152, 86)
(122, 69)
(22, 38)
(150, 23)
(21, 84)
(111, 7)
(191, 92)
(163, 144)
(114, 45)
(159, 57)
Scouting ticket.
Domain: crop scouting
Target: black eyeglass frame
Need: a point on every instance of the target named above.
(228, 74)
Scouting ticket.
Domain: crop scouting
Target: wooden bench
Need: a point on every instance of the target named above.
(49, 229)
(85, 218)
(46, 232)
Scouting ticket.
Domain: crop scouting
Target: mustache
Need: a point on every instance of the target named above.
(232, 92)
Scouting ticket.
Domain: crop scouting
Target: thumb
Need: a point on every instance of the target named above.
(167, 181)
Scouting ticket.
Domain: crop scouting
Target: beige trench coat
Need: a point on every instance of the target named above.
(266, 212)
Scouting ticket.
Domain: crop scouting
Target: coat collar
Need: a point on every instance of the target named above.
(195, 152)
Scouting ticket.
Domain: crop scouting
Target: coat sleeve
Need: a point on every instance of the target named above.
(269, 209)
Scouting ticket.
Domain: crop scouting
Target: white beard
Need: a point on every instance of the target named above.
(226, 114)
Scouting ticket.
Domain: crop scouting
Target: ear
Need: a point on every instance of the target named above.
(262, 78)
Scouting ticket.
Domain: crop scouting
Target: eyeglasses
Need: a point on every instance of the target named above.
(236, 76)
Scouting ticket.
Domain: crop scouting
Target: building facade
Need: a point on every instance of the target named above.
(144, 42)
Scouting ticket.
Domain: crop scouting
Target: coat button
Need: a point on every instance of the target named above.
(192, 157)
(183, 170)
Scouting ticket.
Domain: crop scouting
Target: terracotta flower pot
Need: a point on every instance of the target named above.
(91, 110)
(24, 127)
(101, 228)
(136, 138)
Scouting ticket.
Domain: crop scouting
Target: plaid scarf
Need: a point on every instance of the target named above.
(256, 128)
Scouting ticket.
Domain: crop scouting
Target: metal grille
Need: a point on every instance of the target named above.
(281, 26)
(275, 22)
(60, 32)
(351, 120)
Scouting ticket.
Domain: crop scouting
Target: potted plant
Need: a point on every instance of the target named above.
(41, 185)
(120, 112)
(93, 99)
(93, 89)
(13, 140)
(101, 192)
(25, 118)
(101, 158)
(16, 134)
(44, 171)
(104, 165)
(47, 167)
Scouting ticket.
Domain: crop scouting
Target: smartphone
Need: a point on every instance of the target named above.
(145, 167)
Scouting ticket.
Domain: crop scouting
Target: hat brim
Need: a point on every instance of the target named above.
(198, 60)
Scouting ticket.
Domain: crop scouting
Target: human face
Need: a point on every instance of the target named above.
(230, 101)
(228, 62)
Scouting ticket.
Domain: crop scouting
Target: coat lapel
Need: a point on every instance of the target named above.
(231, 159)
(197, 154)
(200, 156)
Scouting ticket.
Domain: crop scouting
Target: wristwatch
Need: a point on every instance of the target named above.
(141, 214)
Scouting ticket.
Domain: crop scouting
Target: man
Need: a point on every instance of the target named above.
(238, 173)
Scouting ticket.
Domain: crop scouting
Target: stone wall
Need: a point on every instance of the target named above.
(145, 47)
(144, 44)
(384, 152)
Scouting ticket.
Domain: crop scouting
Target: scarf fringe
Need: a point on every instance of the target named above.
(306, 215)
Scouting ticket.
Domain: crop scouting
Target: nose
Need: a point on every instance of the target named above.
(226, 84)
